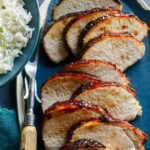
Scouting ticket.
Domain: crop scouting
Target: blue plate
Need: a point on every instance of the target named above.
(19, 63)
(138, 74)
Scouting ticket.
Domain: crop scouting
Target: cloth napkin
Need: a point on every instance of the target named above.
(9, 130)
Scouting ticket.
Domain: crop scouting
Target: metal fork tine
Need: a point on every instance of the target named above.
(144, 4)
(37, 56)
(31, 69)
(38, 51)
(36, 95)
(26, 94)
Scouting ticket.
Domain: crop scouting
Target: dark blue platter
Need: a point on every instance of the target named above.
(138, 74)
(20, 62)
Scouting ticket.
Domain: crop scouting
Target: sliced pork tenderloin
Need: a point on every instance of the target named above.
(119, 100)
(60, 117)
(84, 144)
(116, 23)
(106, 71)
(74, 28)
(123, 50)
(70, 6)
(60, 87)
(115, 135)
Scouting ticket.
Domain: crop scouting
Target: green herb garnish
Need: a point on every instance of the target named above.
(1, 29)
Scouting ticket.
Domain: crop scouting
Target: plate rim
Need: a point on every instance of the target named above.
(7, 80)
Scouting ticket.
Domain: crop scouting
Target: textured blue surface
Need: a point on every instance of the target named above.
(9, 135)
(19, 62)
(139, 74)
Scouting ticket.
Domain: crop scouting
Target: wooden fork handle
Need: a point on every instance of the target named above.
(29, 138)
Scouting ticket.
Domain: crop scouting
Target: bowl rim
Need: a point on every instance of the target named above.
(7, 80)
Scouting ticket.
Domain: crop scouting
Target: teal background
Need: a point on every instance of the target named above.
(138, 74)
(9, 135)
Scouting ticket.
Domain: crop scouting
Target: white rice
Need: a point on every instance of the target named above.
(14, 32)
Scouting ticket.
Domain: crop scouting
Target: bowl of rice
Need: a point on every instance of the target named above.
(19, 33)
